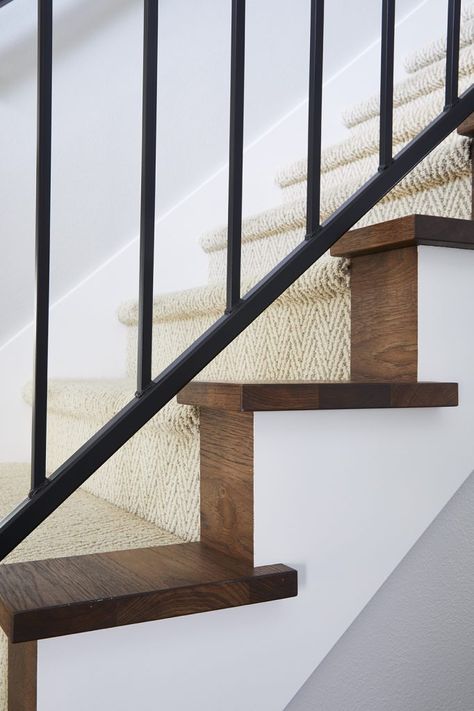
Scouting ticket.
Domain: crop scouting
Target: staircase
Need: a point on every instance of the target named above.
(165, 527)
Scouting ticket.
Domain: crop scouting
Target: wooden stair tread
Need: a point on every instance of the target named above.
(406, 232)
(270, 396)
(61, 596)
(467, 127)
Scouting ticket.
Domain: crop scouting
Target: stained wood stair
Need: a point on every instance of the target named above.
(51, 598)
(257, 397)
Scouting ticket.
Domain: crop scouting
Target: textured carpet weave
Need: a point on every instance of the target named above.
(440, 185)
(437, 50)
(428, 79)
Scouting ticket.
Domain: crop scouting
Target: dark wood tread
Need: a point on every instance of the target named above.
(467, 127)
(258, 396)
(406, 232)
(62, 596)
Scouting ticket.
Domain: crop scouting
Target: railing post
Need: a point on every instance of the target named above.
(148, 190)
(315, 107)
(43, 242)
(452, 52)
(236, 148)
(386, 84)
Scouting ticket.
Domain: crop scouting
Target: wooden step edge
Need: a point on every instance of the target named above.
(63, 596)
(274, 396)
(407, 231)
(467, 127)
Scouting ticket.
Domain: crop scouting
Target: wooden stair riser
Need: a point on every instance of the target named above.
(22, 676)
(227, 466)
(384, 291)
(384, 316)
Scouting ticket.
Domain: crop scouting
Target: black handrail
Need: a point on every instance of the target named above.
(240, 312)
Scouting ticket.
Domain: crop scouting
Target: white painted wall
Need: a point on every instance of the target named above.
(411, 648)
(86, 340)
(340, 495)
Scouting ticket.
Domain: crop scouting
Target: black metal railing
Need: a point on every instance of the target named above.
(386, 84)
(43, 240)
(48, 493)
(315, 114)
(236, 155)
(147, 218)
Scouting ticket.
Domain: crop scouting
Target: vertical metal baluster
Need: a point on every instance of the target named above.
(313, 216)
(43, 242)
(452, 52)
(386, 84)
(236, 148)
(148, 190)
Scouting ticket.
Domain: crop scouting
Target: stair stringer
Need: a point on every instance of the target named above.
(340, 495)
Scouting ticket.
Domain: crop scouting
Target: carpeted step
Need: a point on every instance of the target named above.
(363, 140)
(429, 79)
(304, 334)
(83, 524)
(442, 165)
(155, 475)
(101, 399)
(436, 50)
(440, 185)
(417, 100)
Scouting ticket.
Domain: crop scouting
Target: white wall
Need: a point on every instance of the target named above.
(340, 495)
(411, 647)
(86, 340)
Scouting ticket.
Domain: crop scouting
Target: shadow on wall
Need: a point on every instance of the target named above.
(412, 647)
